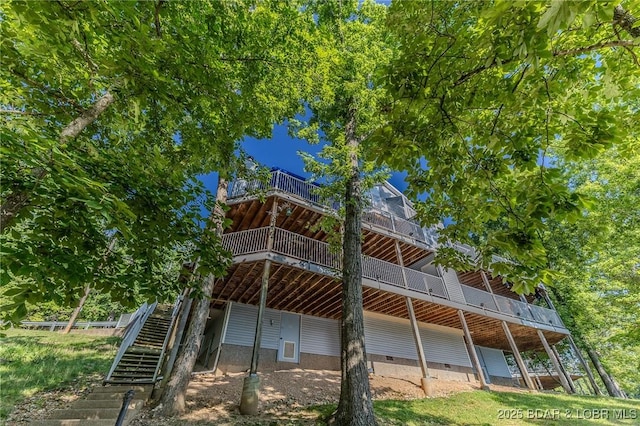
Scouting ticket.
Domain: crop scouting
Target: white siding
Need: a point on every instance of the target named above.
(450, 278)
(319, 336)
(444, 345)
(242, 326)
(386, 335)
(494, 361)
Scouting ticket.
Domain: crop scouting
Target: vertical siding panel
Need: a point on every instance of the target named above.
(444, 345)
(320, 336)
(386, 335)
(450, 278)
(242, 326)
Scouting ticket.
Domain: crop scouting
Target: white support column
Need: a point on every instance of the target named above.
(516, 354)
(472, 351)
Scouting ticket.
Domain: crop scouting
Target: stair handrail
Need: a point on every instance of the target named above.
(174, 314)
(131, 333)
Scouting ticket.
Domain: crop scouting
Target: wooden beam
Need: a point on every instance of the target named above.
(302, 290)
(425, 380)
(564, 370)
(585, 366)
(555, 362)
(472, 351)
(516, 353)
(286, 288)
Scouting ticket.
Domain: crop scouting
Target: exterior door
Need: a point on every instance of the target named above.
(483, 365)
(289, 350)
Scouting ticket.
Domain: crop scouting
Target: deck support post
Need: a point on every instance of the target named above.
(585, 366)
(516, 354)
(472, 351)
(425, 381)
(487, 285)
(564, 370)
(537, 377)
(555, 362)
(251, 384)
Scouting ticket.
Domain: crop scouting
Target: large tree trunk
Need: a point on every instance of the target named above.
(355, 407)
(173, 397)
(20, 197)
(609, 382)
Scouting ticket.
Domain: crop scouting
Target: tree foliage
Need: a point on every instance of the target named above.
(110, 111)
(598, 290)
(486, 97)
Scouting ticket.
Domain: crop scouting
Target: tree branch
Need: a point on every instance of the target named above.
(157, 18)
(625, 20)
(615, 43)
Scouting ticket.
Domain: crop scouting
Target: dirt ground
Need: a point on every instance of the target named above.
(284, 397)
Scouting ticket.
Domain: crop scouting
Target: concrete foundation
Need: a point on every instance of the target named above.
(250, 396)
(237, 359)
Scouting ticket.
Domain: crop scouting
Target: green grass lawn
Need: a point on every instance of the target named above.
(505, 408)
(34, 361)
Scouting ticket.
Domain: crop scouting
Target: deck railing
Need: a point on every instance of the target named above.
(306, 249)
(479, 298)
(309, 191)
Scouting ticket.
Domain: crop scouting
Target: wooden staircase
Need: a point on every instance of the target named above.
(100, 408)
(141, 362)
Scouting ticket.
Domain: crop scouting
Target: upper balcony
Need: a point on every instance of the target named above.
(320, 258)
(387, 210)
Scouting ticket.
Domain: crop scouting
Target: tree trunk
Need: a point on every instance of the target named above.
(76, 311)
(173, 397)
(355, 407)
(87, 290)
(609, 382)
(20, 198)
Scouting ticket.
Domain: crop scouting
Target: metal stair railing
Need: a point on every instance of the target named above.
(130, 335)
(174, 314)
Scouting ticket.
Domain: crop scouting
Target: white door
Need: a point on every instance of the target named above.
(289, 350)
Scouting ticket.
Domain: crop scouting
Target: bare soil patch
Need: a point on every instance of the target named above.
(285, 396)
(284, 399)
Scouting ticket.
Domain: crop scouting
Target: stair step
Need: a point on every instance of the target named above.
(136, 372)
(144, 350)
(132, 374)
(140, 359)
(81, 422)
(86, 413)
(144, 381)
(107, 403)
(121, 389)
(104, 396)
(132, 364)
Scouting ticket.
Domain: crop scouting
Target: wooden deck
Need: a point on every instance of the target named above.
(305, 273)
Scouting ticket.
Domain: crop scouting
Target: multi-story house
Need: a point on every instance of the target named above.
(420, 319)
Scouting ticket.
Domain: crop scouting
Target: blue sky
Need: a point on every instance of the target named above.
(282, 151)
